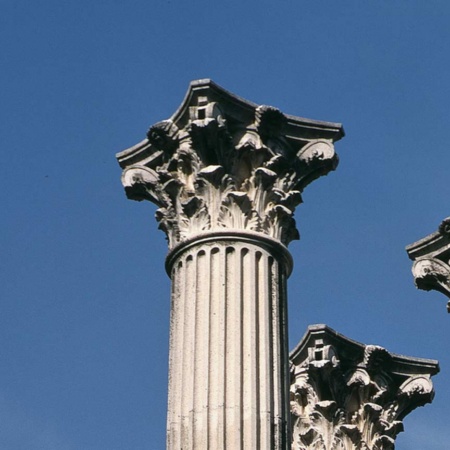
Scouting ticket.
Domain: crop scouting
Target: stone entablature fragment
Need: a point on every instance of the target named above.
(350, 396)
(224, 163)
(431, 256)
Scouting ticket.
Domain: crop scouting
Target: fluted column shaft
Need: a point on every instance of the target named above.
(226, 176)
(228, 347)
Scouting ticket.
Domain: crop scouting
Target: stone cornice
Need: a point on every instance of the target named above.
(222, 162)
(431, 255)
(349, 396)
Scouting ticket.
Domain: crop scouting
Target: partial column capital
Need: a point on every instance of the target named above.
(210, 238)
(431, 256)
(349, 396)
(221, 162)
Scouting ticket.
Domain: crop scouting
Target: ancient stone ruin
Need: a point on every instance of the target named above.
(227, 175)
(346, 395)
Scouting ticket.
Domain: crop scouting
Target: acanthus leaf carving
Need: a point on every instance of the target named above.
(218, 156)
(281, 225)
(431, 256)
(196, 220)
(236, 213)
(348, 396)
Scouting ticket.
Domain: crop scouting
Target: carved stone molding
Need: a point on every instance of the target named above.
(350, 396)
(431, 256)
(221, 162)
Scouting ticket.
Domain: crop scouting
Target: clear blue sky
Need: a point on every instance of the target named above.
(84, 296)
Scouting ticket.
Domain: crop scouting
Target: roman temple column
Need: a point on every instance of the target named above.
(431, 256)
(227, 175)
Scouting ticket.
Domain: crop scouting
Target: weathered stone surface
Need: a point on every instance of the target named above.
(350, 396)
(227, 175)
(221, 162)
(431, 255)
(228, 385)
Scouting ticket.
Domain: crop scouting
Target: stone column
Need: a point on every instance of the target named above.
(350, 396)
(227, 175)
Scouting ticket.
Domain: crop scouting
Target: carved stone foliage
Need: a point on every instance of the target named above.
(348, 396)
(223, 163)
(431, 255)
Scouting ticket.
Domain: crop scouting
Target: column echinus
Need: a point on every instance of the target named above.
(431, 256)
(227, 175)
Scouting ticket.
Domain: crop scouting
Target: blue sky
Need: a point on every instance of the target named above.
(84, 296)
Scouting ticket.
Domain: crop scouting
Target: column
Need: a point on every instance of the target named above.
(349, 396)
(227, 175)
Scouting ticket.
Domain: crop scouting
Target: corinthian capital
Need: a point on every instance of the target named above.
(350, 396)
(431, 256)
(221, 162)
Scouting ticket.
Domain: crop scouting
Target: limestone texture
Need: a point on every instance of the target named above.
(227, 175)
(431, 256)
(350, 396)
